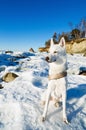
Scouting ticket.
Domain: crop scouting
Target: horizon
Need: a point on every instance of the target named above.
(28, 24)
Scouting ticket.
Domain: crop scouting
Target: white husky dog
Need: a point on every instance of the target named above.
(57, 77)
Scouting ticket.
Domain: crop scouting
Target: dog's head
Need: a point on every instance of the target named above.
(56, 50)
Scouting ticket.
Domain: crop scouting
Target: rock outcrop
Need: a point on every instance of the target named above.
(31, 50)
(43, 49)
(8, 77)
(76, 46)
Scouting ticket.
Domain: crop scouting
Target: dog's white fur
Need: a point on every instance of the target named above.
(56, 88)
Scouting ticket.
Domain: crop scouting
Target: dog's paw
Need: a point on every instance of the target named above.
(66, 121)
(42, 119)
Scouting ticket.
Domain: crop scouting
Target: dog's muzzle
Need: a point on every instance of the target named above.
(50, 60)
(57, 76)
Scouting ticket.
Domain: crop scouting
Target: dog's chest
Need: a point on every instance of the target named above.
(59, 87)
(56, 68)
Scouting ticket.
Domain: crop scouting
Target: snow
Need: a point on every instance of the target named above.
(20, 100)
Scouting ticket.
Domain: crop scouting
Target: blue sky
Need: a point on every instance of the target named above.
(29, 23)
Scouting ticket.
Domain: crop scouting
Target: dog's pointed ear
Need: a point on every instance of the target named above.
(62, 42)
(51, 42)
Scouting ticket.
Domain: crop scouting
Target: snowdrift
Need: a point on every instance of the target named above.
(20, 107)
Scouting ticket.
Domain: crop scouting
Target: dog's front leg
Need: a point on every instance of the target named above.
(46, 105)
(64, 108)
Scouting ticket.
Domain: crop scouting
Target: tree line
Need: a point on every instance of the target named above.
(77, 31)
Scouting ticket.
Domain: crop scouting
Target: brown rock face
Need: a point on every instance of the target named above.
(8, 77)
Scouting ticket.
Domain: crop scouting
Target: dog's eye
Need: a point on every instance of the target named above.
(55, 51)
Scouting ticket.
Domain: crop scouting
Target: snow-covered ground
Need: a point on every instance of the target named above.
(20, 107)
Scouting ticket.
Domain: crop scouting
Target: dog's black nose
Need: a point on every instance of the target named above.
(1, 86)
(47, 59)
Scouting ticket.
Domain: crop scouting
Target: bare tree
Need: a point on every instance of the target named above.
(82, 26)
(75, 33)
